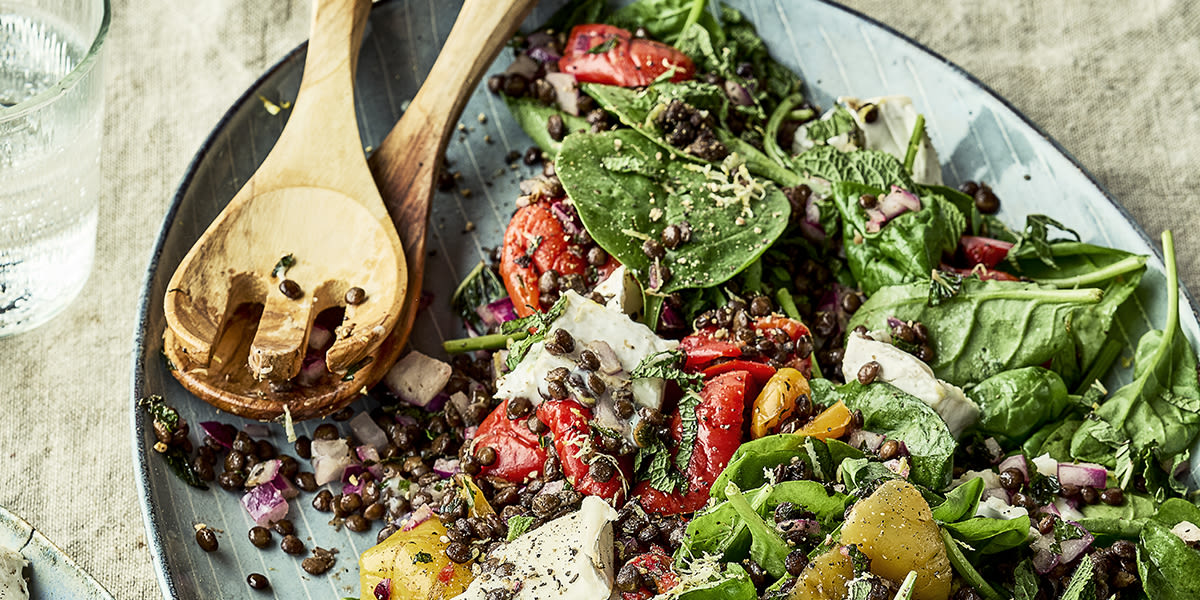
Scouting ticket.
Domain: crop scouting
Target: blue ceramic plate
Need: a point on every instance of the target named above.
(52, 573)
(838, 52)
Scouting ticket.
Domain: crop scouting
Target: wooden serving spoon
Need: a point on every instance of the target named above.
(405, 168)
(306, 229)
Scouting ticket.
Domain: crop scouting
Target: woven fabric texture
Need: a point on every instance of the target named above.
(1112, 81)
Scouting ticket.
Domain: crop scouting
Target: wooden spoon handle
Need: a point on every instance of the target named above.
(322, 129)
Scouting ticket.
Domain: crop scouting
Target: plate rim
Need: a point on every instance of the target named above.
(137, 421)
(38, 539)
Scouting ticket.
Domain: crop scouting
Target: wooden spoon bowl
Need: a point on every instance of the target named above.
(405, 169)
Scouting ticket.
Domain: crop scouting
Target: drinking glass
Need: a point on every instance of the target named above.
(51, 119)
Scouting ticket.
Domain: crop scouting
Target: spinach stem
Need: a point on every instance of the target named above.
(494, 341)
(1100, 365)
(914, 142)
(1125, 265)
(694, 14)
(966, 569)
(770, 134)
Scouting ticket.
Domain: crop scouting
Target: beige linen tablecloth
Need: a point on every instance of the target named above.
(1112, 81)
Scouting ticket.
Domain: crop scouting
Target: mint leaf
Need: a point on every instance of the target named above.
(665, 365)
(518, 525)
(540, 321)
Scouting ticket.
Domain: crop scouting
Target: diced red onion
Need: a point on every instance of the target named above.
(866, 440)
(1082, 474)
(284, 486)
(670, 318)
(898, 202)
(566, 90)
(610, 364)
(898, 466)
(406, 419)
(217, 431)
(469, 432)
(265, 504)
(524, 66)
(810, 226)
(353, 481)
(567, 216)
(1016, 461)
(737, 94)
(446, 467)
(257, 430)
(263, 472)
(875, 220)
(1073, 549)
(496, 312)
(438, 402)
(417, 517)
(367, 432)
(330, 459)
(383, 589)
(553, 487)
(1044, 558)
(545, 56)
(1063, 508)
(319, 338)
(538, 39)
(312, 372)
(370, 458)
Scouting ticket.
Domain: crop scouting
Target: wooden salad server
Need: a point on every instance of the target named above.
(405, 169)
(306, 229)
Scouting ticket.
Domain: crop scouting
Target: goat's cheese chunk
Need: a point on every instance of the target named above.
(589, 322)
(623, 291)
(912, 376)
(569, 557)
(892, 129)
(12, 584)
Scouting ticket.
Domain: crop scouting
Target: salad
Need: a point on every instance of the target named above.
(738, 346)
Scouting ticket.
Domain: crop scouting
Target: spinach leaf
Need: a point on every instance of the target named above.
(1168, 567)
(480, 287)
(908, 248)
(989, 327)
(766, 547)
(988, 536)
(1160, 408)
(961, 502)
(964, 203)
(1026, 581)
(1123, 521)
(734, 218)
(1076, 264)
(733, 584)
(863, 476)
(718, 530)
(749, 462)
(829, 507)
(1035, 238)
(872, 168)
(1083, 581)
(532, 115)
(577, 12)
(1014, 403)
(839, 121)
(1057, 442)
(664, 20)
(887, 410)
(638, 109)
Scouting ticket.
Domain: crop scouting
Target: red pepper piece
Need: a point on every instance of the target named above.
(659, 567)
(606, 54)
(984, 251)
(719, 418)
(701, 349)
(533, 244)
(568, 423)
(519, 453)
(759, 372)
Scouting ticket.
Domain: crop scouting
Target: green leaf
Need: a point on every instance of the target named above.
(688, 429)
(518, 525)
(1057, 442)
(1083, 581)
(734, 584)
(1026, 581)
(577, 12)
(961, 502)
(160, 411)
(766, 547)
(653, 464)
(891, 412)
(1160, 408)
(966, 570)
(1123, 521)
(732, 226)
(907, 248)
(1168, 567)
(422, 557)
(871, 168)
(665, 365)
(989, 327)
(1015, 403)
(1035, 238)
(177, 459)
(664, 20)
(281, 268)
(480, 287)
(838, 121)
(540, 321)
(532, 115)
(989, 536)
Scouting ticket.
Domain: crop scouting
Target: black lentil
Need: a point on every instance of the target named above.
(260, 536)
(533, 156)
(889, 450)
(986, 201)
(1112, 496)
(555, 127)
(323, 501)
(291, 289)
(206, 538)
(326, 432)
(258, 581)
(291, 544)
(355, 296)
(867, 374)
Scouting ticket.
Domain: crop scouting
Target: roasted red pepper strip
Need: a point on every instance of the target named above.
(983, 251)
(759, 372)
(611, 55)
(533, 244)
(518, 451)
(718, 434)
(568, 423)
(701, 349)
(657, 565)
